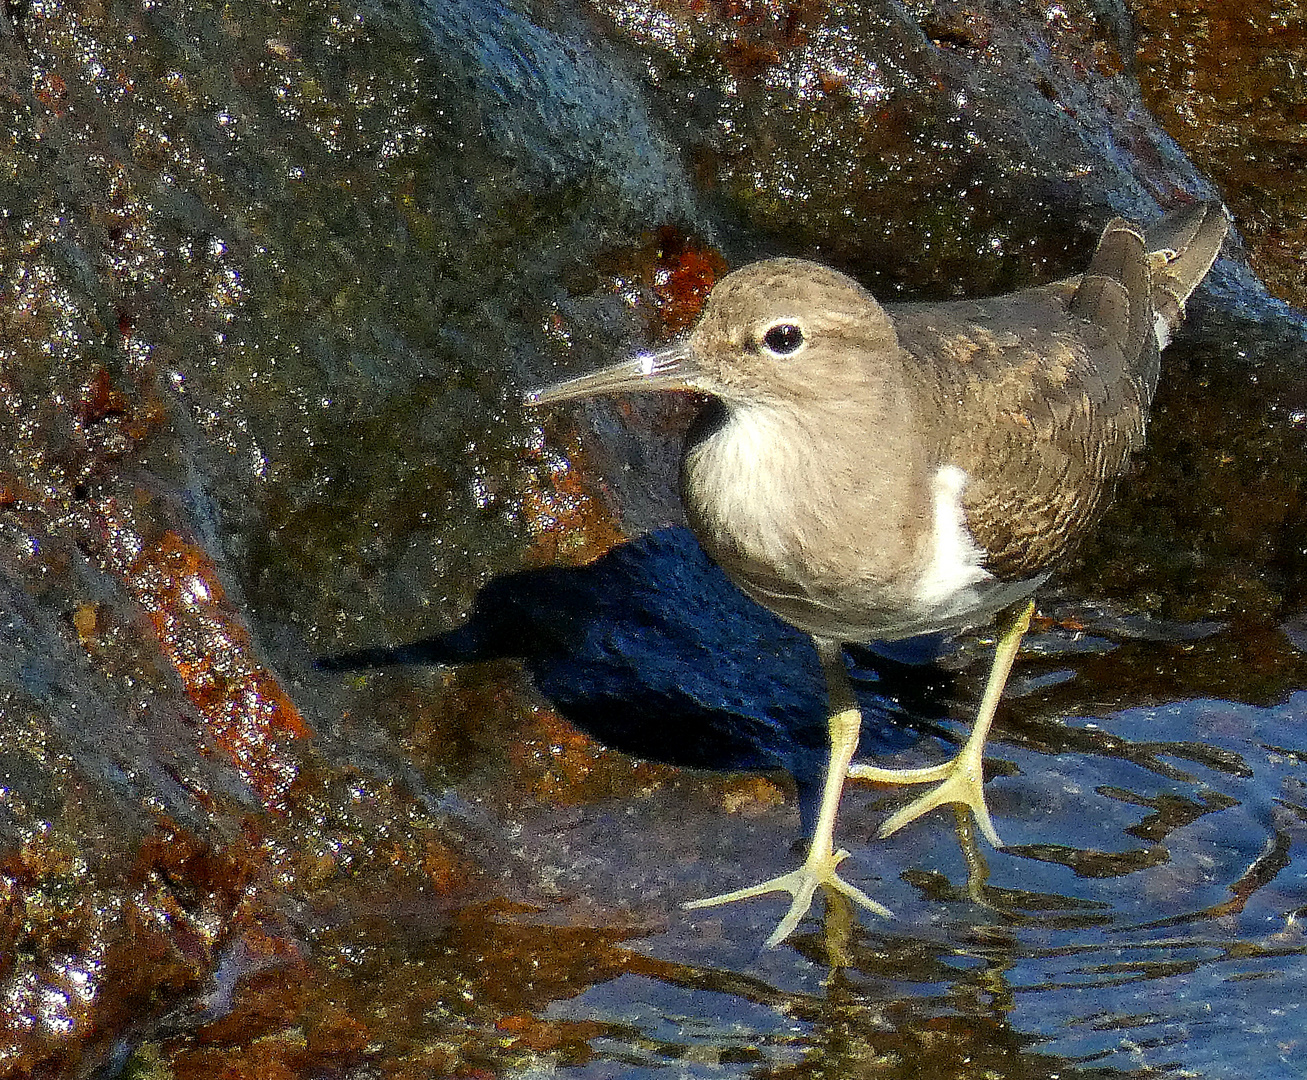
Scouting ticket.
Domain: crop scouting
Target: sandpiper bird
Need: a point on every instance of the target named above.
(875, 473)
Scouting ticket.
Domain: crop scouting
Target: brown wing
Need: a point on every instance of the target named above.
(1041, 406)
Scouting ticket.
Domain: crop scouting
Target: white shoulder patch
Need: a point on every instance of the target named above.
(1162, 329)
(954, 564)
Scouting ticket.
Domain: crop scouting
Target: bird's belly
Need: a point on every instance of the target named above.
(856, 597)
(972, 605)
(782, 544)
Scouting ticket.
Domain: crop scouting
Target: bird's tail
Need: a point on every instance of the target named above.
(1138, 280)
(1181, 249)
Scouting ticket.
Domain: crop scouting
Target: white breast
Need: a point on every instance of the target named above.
(741, 486)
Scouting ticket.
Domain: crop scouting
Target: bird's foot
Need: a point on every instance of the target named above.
(802, 885)
(963, 778)
(963, 781)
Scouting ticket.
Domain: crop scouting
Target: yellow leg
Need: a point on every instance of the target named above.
(819, 868)
(963, 777)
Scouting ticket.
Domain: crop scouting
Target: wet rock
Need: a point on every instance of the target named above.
(271, 281)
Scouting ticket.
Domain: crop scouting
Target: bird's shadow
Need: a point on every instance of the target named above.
(652, 650)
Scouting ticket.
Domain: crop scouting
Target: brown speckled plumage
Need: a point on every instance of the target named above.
(1042, 416)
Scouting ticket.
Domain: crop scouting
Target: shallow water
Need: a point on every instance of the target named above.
(1145, 919)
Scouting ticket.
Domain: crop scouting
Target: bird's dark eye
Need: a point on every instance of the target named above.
(783, 338)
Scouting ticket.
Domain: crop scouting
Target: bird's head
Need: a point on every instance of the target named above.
(779, 329)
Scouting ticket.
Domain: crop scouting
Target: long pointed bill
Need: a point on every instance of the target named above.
(670, 368)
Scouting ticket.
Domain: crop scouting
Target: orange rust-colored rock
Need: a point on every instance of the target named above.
(569, 520)
(545, 1036)
(681, 276)
(751, 795)
(52, 92)
(100, 400)
(244, 707)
